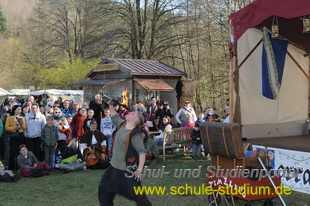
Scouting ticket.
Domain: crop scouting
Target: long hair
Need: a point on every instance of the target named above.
(13, 109)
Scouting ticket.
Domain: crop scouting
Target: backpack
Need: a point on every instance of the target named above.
(36, 173)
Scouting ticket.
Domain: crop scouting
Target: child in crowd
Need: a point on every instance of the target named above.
(211, 117)
(87, 121)
(190, 122)
(200, 118)
(107, 127)
(49, 137)
(196, 142)
(72, 159)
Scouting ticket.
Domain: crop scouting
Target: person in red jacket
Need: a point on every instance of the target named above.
(78, 122)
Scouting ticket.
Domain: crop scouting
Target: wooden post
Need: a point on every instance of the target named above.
(133, 93)
(84, 93)
(100, 92)
(232, 87)
(309, 100)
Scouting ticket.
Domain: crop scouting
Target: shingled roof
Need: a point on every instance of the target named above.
(144, 67)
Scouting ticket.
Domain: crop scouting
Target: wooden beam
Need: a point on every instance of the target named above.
(298, 65)
(249, 54)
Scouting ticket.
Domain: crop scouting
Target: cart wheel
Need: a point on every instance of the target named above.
(214, 202)
(229, 198)
(252, 203)
(270, 202)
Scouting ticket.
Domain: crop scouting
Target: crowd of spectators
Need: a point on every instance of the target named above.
(40, 132)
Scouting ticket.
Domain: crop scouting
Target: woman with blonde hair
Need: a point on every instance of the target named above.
(61, 123)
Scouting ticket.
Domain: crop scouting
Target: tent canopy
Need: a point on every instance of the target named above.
(3, 92)
(260, 13)
(58, 92)
(286, 114)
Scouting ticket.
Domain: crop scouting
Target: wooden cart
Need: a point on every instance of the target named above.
(224, 143)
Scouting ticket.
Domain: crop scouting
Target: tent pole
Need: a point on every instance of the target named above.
(231, 95)
(308, 100)
(233, 67)
(235, 116)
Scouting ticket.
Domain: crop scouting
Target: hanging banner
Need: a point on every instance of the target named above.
(273, 60)
(296, 161)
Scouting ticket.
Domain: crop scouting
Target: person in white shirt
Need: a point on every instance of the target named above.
(107, 127)
(35, 122)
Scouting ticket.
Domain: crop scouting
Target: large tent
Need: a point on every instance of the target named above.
(74, 95)
(3, 92)
(287, 112)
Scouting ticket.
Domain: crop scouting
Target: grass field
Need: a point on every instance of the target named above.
(80, 188)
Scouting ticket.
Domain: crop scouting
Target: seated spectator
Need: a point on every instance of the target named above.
(167, 127)
(72, 159)
(151, 149)
(8, 175)
(95, 145)
(29, 165)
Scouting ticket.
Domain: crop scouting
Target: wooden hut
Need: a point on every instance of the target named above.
(140, 79)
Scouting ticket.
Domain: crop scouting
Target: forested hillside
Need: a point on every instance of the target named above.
(50, 43)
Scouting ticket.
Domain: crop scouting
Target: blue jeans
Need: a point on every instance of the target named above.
(109, 142)
(49, 153)
(196, 149)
